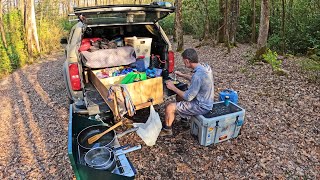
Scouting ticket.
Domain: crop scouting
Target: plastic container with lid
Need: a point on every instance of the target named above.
(233, 95)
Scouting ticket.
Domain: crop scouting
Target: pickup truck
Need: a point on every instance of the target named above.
(86, 100)
(108, 22)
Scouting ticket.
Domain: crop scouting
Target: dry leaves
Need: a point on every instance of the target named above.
(279, 140)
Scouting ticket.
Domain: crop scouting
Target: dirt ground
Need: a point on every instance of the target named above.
(279, 140)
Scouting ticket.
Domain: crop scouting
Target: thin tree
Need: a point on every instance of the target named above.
(227, 19)
(206, 33)
(3, 35)
(174, 36)
(283, 27)
(234, 18)
(222, 21)
(178, 23)
(263, 29)
(253, 24)
(31, 28)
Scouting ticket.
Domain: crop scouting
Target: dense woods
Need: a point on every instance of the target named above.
(31, 28)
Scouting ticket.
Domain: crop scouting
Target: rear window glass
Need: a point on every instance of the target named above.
(124, 17)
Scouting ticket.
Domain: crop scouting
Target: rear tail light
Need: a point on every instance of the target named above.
(171, 61)
(74, 77)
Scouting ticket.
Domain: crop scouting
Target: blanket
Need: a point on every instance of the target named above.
(109, 57)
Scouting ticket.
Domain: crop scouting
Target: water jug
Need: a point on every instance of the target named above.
(233, 95)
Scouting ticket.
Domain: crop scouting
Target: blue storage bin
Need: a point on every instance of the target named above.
(233, 95)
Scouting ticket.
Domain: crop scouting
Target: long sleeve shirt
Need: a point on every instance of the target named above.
(201, 89)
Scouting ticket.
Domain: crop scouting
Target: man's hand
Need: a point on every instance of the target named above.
(178, 73)
(170, 85)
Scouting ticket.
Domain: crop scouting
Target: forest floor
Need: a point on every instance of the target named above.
(279, 140)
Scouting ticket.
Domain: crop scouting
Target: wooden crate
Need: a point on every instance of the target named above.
(140, 92)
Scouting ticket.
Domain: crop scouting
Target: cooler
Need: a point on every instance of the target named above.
(220, 124)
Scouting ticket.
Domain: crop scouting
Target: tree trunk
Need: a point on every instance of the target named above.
(227, 21)
(70, 4)
(179, 30)
(175, 25)
(31, 28)
(222, 21)
(233, 19)
(283, 29)
(3, 35)
(263, 29)
(206, 32)
(253, 25)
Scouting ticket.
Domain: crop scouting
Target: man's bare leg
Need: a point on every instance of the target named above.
(169, 117)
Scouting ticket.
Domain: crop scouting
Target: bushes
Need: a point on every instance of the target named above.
(272, 59)
(15, 55)
(48, 42)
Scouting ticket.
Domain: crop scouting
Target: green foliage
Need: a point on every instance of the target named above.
(46, 28)
(167, 24)
(67, 25)
(272, 58)
(5, 64)
(16, 51)
(313, 67)
(302, 27)
(274, 42)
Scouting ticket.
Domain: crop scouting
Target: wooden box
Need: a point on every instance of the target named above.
(141, 92)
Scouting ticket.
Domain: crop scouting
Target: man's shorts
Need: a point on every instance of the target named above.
(189, 108)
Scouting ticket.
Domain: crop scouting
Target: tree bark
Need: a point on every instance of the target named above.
(206, 32)
(283, 28)
(175, 25)
(227, 21)
(263, 29)
(222, 21)
(253, 25)
(233, 18)
(31, 28)
(179, 30)
(3, 35)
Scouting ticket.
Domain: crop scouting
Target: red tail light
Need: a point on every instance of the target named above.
(74, 77)
(171, 61)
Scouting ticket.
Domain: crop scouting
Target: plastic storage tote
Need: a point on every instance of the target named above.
(220, 124)
(142, 47)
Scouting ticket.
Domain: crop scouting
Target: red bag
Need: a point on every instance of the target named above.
(84, 40)
(85, 46)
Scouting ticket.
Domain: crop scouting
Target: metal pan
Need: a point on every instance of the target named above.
(106, 140)
(104, 158)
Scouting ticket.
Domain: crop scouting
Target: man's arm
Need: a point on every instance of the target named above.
(189, 94)
(185, 76)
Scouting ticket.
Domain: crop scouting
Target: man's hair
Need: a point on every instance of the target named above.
(190, 54)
